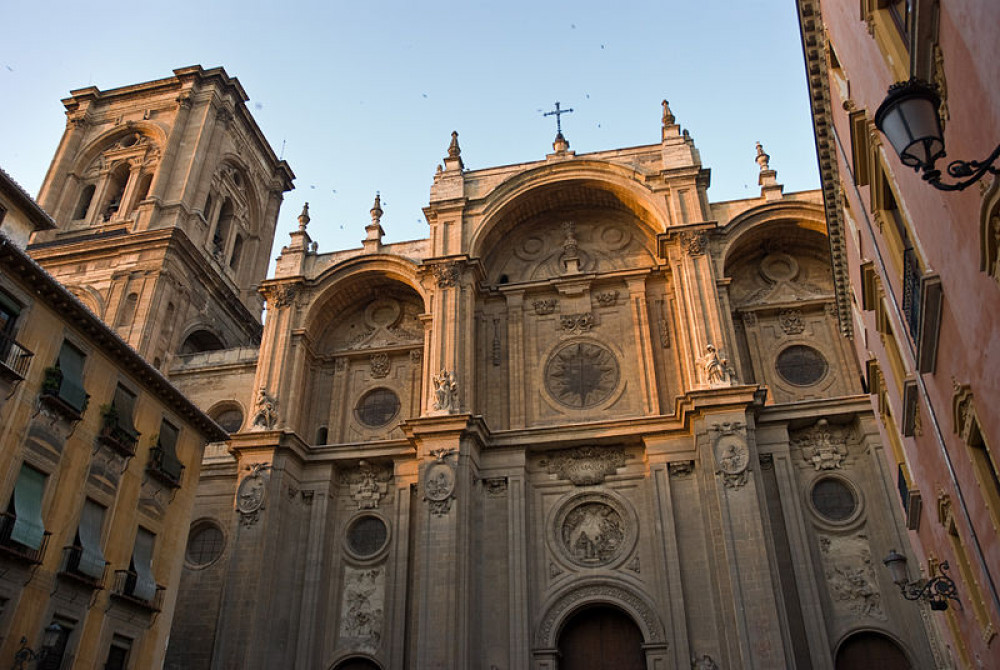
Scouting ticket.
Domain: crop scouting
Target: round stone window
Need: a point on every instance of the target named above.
(581, 374)
(205, 544)
(367, 536)
(377, 407)
(230, 420)
(801, 365)
(833, 499)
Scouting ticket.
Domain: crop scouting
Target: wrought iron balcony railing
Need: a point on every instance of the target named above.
(12, 547)
(14, 358)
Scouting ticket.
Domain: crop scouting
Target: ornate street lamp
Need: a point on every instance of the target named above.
(49, 641)
(937, 591)
(908, 117)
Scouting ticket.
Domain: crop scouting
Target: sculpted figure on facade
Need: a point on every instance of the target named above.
(445, 391)
(265, 410)
(716, 367)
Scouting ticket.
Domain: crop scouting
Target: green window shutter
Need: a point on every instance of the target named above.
(71, 389)
(29, 529)
(142, 563)
(124, 403)
(91, 557)
(169, 462)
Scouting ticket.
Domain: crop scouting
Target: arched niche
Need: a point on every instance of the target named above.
(366, 331)
(530, 236)
(783, 300)
(113, 174)
(200, 341)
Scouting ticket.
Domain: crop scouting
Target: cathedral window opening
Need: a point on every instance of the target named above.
(83, 204)
(207, 211)
(127, 312)
(143, 190)
(200, 341)
(230, 419)
(377, 407)
(322, 435)
(367, 536)
(801, 365)
(221, 235)
(833, 499)
(206, 543)
(116, 192)
(234, 260)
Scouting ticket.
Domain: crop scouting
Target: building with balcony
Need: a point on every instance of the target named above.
(100, 458)
(917, 275)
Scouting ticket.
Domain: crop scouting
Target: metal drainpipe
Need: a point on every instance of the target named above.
(900, 327)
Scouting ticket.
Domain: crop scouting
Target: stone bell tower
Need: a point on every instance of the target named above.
(166, 196)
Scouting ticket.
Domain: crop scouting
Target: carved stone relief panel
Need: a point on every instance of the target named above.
(850, 576)
(550, 246)
(362, 608)
(593, 530)
(584, 466)
(439, 483)
(250, 494)
(732, 454)
(368, 483)
(822, 446)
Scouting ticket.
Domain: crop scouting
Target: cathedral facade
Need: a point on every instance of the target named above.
(591, 415)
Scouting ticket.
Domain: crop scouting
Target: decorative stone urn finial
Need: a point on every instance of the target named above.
(304, 218)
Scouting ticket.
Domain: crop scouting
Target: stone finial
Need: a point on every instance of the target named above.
(373, 231)
(762, 158)
(454, 159)
(770, 189)
(304, 218)
(668, 116)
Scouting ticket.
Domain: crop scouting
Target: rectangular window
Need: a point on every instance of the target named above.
(163, 457)
(69, 381)
(53, 659)
(13, 356)
(118, 653)
(24, 514)
(90, 557)
(860, 153)
(124, 406)
(141, 567)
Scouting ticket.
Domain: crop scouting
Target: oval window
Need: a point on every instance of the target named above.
(377, 407)
(801, 365)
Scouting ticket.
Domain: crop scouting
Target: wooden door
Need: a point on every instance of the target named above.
(601, 638)
(871, 651)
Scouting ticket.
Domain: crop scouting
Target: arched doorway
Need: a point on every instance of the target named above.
(871, 651)
(357, 663)
(601, 638)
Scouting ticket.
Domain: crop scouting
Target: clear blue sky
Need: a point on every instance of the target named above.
(364, 95)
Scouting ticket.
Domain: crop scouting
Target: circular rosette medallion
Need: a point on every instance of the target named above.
(581, 374)
(594, 530)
